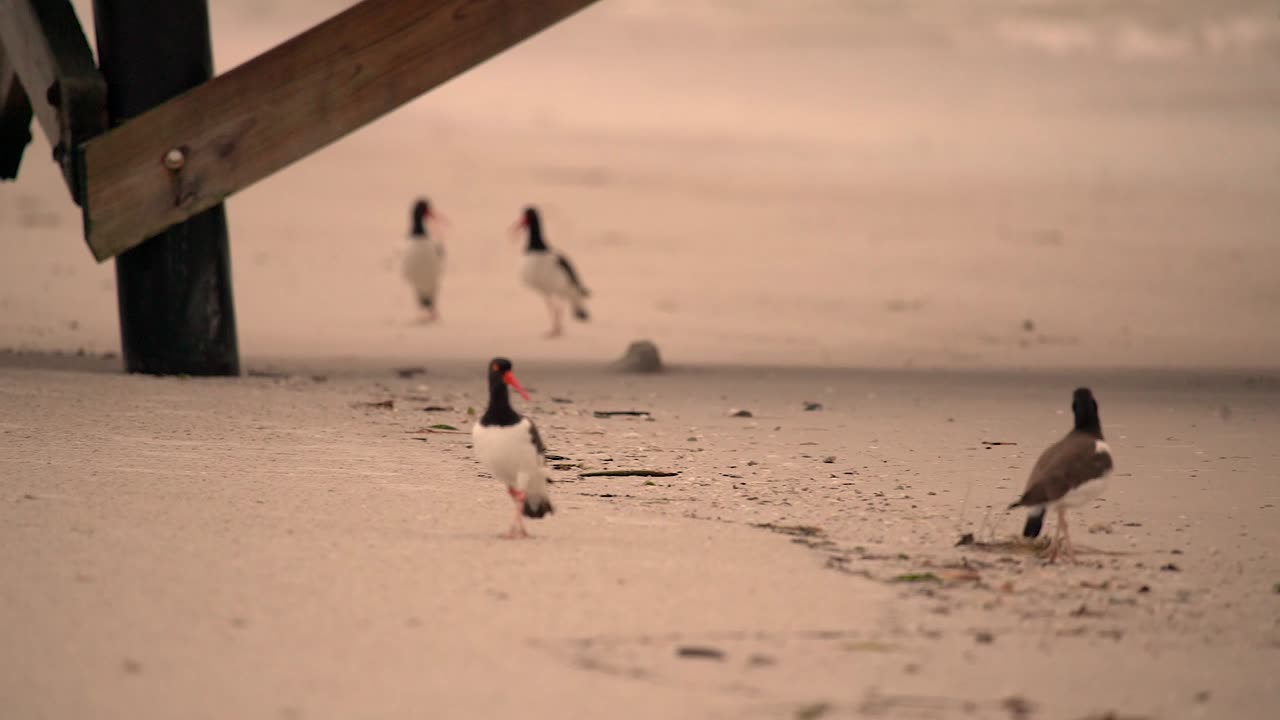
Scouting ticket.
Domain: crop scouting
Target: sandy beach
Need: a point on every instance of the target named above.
(933, 222)
(278, 547)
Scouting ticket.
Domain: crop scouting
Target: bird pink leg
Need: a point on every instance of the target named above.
(427, 315)
(556, 329)
(517, 530)
(1067, 549)
(1056, 544)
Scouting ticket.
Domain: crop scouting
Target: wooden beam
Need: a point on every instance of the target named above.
(15, 120)
(195, 150)
(44, 44)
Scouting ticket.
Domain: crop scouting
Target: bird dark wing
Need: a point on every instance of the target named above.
(537, 439)
(573, 276)
(1065, 466)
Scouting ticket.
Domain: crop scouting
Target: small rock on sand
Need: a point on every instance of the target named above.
(641, 357)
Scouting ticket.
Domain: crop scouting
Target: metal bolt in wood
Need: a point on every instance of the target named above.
(175, 159)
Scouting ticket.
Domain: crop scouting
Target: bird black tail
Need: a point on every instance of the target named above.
(537, 507)
(580, 313)
(1035, 521)
(426, 301)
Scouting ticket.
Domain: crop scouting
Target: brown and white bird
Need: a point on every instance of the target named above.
(424, 264)
(510, 447)
(551, 274)
(1069, 474)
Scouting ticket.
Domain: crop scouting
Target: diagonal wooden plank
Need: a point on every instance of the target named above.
(290, 101)
(45, 47)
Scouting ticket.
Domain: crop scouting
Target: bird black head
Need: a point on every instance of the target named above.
(421, 211)
(531, 220)
(497, 367)
(500, 375)
(1085, 408)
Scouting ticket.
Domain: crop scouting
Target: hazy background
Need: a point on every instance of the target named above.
(811, 182)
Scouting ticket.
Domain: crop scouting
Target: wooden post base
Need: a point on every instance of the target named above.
(174, 290)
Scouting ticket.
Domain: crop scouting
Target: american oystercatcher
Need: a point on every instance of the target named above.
(510, 447)
(1069, 474)
(424, 264)
(550, 273)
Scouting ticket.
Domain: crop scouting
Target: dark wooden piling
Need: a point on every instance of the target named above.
(174, 291)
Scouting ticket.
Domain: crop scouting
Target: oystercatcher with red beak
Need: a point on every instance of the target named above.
(1069, 474)
(424, 264)
(510, 447)
(551, 274)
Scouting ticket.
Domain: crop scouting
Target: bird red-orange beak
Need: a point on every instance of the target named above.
(510, 379)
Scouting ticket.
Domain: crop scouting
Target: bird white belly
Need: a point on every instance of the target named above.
(1084, 494)
(543, 273)
(423, 266)
(507, 451)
